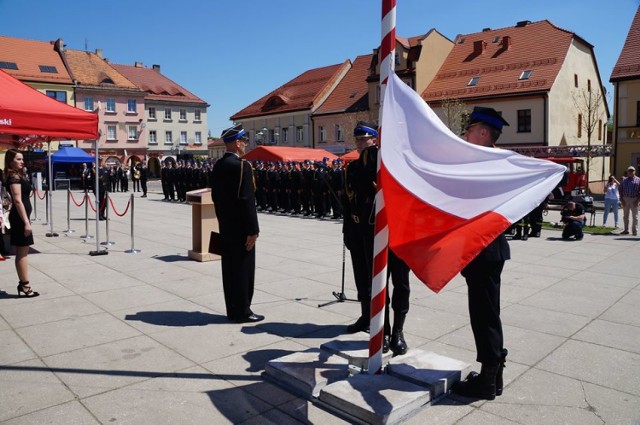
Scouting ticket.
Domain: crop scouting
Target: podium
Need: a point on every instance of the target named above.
(203, 222)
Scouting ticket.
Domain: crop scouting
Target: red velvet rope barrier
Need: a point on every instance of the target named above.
(84, 199)
(35, 191)
(116, 212)
(104, 202)
(88, 198)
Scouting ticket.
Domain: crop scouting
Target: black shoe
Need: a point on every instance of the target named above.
(534, 234)
(360, 325)
(525, 237)
(478, 385)
(516, 237)
(385, 344)
(250, 319)
(501, 366)
(398, 344)
(579, 238)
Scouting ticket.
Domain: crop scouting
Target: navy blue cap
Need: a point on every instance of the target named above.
(487, 116)
(232, 134)
(306, 161)
(365, 129)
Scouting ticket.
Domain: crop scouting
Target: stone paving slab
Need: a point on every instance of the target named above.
(376, 399)
(307, 372)
(354, 348)
(428, 369)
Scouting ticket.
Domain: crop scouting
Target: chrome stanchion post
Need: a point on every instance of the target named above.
(35, 205)
(132, 250)
(68, 212)
(106, 215)
(86, 217)
(46, 207)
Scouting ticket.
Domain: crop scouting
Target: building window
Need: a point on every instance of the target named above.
(575, 80)
(152, 113)
(396, 58)
(197, 114)
(168, 138)
(589, 86)
(183, 137)
(322, 136)
(524, 121)
(579, 125)
(599, 129)
(339, 134)
(183, 114)
(198, 138)
(473, 81)
(272, 137)
(49, 69)
(525, 74)
(57, 95)
(131, 106)
(111, 132)
(133, 132)
(153, 137)
(8, 65)
(88, 104)
(111, 105)
(167, 113)
(300, 134)
(285, 135)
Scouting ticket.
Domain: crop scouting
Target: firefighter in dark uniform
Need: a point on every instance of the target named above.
(307, 183)
(296, 187)
(273, 177)
(336, 179)
(483, 281)
(233, 195)
(320, 188)
(358, 229)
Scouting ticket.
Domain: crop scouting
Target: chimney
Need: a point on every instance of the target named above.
(522, 23)
(486, 29)
(156, 68)
(58, 45)
(506, 42)
(99, 53)
(479, 47)
(139, 65)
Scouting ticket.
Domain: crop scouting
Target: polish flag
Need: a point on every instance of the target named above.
(447, 199)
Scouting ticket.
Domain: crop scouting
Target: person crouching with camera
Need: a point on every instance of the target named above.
(574, 220)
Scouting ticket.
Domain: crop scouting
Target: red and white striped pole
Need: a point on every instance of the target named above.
(381, 236)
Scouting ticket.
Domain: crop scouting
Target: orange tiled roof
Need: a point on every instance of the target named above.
(351, 94)
(157, 86)
(498, 58)
(90, 70)
(29, 56)
(628, 65)
(298, 94)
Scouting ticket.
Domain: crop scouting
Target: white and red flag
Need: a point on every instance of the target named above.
(447, 199)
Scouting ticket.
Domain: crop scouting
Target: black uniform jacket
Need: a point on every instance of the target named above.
(233, 194)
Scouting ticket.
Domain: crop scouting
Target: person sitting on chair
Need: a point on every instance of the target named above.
(574, 220)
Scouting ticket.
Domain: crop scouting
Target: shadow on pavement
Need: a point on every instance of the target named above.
(172, 258)
(177, 318)
(295, 330)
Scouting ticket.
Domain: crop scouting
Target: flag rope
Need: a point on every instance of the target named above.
(381, 233)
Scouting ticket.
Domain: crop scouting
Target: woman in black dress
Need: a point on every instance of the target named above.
(21, 234)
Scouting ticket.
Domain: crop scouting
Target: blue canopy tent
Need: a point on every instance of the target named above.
(71, 154)
(64, 161)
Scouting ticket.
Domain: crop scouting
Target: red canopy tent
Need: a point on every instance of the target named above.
(283, 153)
(24, 111)
(351, 156)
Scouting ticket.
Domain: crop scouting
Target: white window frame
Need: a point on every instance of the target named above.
(167, 114)
(473, 81)
(131, 106)
(198, 138)
(183, 137)
(285, 134)
(168, 137)
(153, 137)
(339, 133)
(111, 105)
(197, 115)
(300, 134)
(152, 113)
(132, 132)
(322, 136)
(112, 132)
(88, 104)
(183, 114)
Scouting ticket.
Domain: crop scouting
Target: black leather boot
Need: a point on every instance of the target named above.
(385, 344)
(362, 324)
(479, 386)
(518, 234)
(501, 366)
(398, 344)
(525, 233)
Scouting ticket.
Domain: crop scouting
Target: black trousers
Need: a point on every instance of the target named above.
(360, 245)
(143, 183)
(483, 282)
(399, 301)
(238, 276)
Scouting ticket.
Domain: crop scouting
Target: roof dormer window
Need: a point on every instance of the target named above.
(8, 65)
(525, 74)
(496, 38)
(473, 81)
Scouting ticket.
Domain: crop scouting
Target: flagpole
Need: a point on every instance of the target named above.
(381, 232)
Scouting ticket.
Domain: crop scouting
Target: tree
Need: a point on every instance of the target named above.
(588, 105)
(456, 115)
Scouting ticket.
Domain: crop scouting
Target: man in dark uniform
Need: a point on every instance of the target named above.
(233, 194)
(296, 187)
(337, 184)
(307, 183)
(483, 281)
(358, 229)
(144, 176)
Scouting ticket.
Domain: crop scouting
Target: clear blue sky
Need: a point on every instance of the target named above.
(230, 53)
